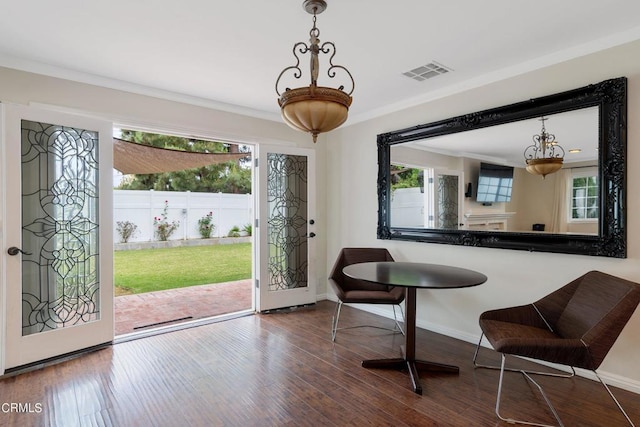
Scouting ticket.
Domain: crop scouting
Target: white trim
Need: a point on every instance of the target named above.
(161, 127)
(3, 259)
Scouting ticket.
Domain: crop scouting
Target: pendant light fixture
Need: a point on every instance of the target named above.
(545, 156)
(314, 109)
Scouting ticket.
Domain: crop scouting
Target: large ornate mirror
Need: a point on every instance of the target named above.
(464, 180)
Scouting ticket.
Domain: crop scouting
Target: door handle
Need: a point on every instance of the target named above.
(312, 234)
(15, 251)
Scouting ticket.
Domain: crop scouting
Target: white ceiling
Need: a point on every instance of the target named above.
(228, 54)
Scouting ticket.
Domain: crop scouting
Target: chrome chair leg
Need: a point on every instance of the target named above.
(336, 317)
(544, 395)
(546, 398)
(395, 318)
(526, 373)
(334, 322)
(614, 399)
(548, 374)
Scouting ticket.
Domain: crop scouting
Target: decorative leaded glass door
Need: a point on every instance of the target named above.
(286, 203)
(58, 279)
(449, 192)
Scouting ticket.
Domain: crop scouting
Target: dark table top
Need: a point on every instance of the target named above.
(415, 275)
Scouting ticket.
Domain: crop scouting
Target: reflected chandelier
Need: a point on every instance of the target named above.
(544, 156)
(314, 109)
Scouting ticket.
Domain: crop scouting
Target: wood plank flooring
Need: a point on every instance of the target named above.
(282, 369)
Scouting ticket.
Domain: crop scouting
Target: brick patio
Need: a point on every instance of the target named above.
(141, 312)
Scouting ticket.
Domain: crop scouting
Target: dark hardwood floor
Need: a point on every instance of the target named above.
(282, 369)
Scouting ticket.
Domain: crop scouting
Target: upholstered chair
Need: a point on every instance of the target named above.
(354, 291)
(574, 326)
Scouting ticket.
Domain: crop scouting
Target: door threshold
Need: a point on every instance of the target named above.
(181, 326)
(41, 364)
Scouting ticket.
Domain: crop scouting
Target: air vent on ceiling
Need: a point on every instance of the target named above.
(427, 71)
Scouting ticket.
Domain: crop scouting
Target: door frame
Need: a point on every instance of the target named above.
(162, 129)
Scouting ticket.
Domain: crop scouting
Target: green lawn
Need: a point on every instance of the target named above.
(146, 270)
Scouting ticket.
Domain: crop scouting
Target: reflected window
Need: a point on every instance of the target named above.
(584, 195)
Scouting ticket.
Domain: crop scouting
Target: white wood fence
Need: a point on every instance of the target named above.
(140, 208)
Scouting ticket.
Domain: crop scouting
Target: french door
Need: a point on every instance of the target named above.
(444, 198)
(285, 258)
(57, 257)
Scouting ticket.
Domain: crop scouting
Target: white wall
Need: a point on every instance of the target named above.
(515, 277)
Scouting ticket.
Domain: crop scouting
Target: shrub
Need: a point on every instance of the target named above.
(206, 226)
(234, 232)
(126, 230)
(162, 227)
(248, 228)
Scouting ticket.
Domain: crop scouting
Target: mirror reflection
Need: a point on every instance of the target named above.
(478, 179)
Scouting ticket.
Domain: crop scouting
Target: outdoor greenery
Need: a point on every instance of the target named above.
(248, 228)
(403, 177)
(126, 230)
(229, 177)
(234, 232)
(162, 226)
(147, 270)
(206, 226)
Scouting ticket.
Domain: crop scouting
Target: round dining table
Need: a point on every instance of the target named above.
(413, 276)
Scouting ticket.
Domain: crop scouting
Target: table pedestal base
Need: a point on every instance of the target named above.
(412, 366)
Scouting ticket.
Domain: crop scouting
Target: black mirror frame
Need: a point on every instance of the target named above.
(611, 98)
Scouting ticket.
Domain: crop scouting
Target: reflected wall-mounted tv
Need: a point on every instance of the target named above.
(494, 183)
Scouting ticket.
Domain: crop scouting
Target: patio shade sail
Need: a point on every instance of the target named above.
(132, 158)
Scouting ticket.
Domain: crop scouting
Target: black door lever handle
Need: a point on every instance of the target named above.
(15, 251)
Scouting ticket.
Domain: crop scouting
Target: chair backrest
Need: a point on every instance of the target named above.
(350, 256)
(594, 308)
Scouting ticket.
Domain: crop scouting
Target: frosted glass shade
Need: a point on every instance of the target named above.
(314, 109)
(545, 166)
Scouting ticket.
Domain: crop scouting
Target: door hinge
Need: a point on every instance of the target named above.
(257, 283)
(257, 223)
(256, 162)
(430, 181)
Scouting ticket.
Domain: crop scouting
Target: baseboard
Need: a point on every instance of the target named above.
(609, 378)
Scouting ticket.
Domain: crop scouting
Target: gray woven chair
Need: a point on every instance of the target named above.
(574, 326)
(354, 291)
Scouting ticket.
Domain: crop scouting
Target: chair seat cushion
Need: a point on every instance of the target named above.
(537, 343)
(394, 296)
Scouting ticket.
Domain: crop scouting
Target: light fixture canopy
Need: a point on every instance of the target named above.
(314, 109)
(545, 156)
